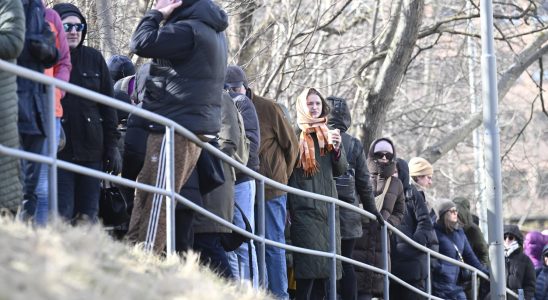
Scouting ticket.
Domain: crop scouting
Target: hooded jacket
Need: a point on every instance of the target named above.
(186, 80)
(90, 127)
(541, 287)
(472, 231)
(12, 39)
(368, 247)
(533, 246)
(520, 273)
(340, 118)
(409, 263)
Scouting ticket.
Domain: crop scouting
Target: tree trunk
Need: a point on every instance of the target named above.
(106, 27)
(381, 96)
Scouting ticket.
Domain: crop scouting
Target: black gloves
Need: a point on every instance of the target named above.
(380, 220)
(113, 161)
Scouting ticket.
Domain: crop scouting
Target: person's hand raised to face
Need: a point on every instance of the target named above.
(166, 7)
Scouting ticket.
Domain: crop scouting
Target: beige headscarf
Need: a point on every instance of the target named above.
(309, 125)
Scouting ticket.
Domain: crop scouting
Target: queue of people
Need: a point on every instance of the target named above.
(189, 82)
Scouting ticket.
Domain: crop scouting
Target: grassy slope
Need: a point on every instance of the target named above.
(63, 262)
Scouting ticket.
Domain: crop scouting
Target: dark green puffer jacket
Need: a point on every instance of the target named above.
(309, 222)
(12, 39)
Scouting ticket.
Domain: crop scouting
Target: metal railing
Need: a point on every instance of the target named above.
(172, 195)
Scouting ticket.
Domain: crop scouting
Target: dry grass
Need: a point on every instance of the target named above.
(62, 262)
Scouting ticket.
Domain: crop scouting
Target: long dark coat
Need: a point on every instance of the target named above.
(309, 217)
(368, 248)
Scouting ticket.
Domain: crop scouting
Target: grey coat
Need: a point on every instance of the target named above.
(220, 201)
(309, 218)
(12, 39)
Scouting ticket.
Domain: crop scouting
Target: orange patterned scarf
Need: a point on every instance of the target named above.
(309, 125)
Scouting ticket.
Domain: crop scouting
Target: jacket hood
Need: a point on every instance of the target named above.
(465, 215)
(534, 243)
(202, 10)
(339, 117)
(403, 173)
(384, 170)
(67, 9)
(514, 230)
(120, 66)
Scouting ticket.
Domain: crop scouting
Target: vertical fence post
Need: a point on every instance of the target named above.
(333, 249)
(261, 232)
(384, 245)
(475, 285)
(429, 278)
(170, 188)
(52, 151)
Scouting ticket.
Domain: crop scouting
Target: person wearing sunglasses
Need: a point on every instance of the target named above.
(390, 202)
(520, 272)
(447, 277)
(90, 127)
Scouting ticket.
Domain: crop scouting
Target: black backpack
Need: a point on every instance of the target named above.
(40, 51)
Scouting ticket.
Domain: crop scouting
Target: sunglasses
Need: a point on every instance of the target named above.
(68, 27)
(380, 155)
(509, 237)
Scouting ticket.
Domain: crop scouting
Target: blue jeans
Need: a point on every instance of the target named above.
(276, 268)
(212, 253)
(30, 171)
(79, 194)
(42, 205)
(244, 196)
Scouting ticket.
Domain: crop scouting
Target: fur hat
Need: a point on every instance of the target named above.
(442, 206)
(235, 77)
(419, 166)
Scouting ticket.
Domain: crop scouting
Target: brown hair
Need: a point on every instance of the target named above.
(325, 106)
(445, 224)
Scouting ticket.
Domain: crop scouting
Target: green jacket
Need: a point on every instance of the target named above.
(471, 230)
(309, 218)
(12, 39)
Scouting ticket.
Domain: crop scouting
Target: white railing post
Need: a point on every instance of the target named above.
(475, 285)
(261, 246)
(429, 278)
(333, 249)
(384, 248)
(52, 152)
(170, 188)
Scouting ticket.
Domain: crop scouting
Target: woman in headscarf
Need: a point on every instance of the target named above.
(320, 159)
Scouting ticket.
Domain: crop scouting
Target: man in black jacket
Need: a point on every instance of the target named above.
(244, 189)
(184, 84)
(90, 127)
(361, 189)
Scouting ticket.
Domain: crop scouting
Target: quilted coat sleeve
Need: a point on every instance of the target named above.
(12, 29)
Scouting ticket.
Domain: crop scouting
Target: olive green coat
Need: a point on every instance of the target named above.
(12, 38)
(309, 218)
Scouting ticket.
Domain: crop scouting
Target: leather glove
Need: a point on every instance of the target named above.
(113, 161)
(380, 220)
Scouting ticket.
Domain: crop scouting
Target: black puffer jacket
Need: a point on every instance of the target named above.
(186, 81)
(351, 222)
(90, 128)
(409, 263)
(520, 273)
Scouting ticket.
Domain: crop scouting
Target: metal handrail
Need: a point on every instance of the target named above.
(169, 193)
